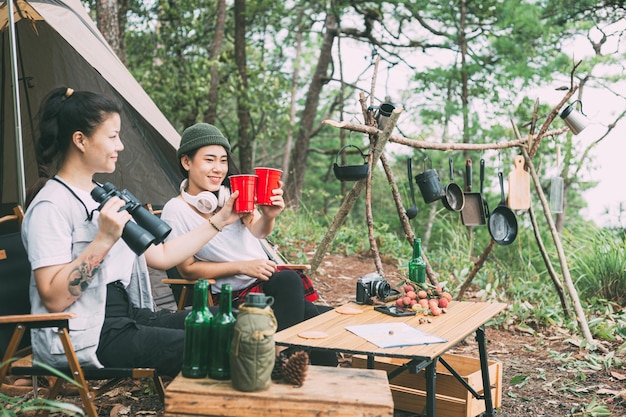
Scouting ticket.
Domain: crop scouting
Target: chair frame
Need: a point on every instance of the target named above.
(60, 321)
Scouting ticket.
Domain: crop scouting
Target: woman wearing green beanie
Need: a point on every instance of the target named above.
(235, 256)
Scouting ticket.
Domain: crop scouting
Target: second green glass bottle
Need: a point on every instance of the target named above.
(221, 336)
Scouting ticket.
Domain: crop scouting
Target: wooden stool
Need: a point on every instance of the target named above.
(336, 392)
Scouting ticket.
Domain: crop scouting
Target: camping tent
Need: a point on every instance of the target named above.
(57, 43)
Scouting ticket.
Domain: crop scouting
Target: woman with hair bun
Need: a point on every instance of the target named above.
(79, 263)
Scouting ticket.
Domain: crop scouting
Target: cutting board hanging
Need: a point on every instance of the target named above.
(519, 186)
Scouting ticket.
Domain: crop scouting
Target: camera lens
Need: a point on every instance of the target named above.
(382, 289)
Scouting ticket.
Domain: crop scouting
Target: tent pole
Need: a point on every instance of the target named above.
(19, 150)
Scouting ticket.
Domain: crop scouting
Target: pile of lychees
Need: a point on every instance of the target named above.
(424, 298)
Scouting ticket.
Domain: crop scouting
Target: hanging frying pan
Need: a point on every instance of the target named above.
(502, 220)
(473, 212)
(453, 198)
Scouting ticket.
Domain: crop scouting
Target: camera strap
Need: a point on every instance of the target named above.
(89, 215)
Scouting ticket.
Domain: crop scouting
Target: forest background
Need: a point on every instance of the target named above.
(269, 73)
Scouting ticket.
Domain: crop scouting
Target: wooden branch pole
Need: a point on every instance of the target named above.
(542, 248)
(580, 314)
(368, 211)
(404, 220)
(447, 147)
(353, 194)
(546, 260)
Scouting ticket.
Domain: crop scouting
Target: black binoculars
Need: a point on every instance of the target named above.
(149, 228)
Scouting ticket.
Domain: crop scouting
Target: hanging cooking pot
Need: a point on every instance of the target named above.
(502, 220)
(473, 212)
(411, 212)
(429, 185)
(453, 198)
(351, 172)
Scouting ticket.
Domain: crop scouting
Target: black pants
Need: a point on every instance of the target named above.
(290, 308)
(133, 337)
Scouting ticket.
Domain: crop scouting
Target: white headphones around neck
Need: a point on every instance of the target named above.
(205, 201)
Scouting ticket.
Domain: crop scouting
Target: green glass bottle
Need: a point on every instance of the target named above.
(221, 336)
(417, 266)
(197, 328)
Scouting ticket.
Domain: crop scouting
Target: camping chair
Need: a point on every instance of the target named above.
(15, 320)
(182, 288)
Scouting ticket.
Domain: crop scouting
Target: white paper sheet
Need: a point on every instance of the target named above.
(387, 335)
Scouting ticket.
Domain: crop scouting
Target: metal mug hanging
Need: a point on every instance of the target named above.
(382, 113)
(429, 184)
(574, 119)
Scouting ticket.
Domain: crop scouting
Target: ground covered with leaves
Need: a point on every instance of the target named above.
(545, 372)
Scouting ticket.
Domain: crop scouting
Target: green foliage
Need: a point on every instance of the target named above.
(19, 406)
(599, 262)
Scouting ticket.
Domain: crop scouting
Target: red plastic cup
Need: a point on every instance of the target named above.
(267, 181)
(246, 185)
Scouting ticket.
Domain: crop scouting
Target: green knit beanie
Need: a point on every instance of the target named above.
(199, 135)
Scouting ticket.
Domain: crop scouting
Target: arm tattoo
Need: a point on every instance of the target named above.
(81, 276)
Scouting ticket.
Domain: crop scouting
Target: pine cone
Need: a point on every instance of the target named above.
(294, 370)
(277, 372)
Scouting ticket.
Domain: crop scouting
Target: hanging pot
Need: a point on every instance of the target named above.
(351, 172)
(453, 198)
(502, 220)
(473, 212)
(411, 212)
(429, 185)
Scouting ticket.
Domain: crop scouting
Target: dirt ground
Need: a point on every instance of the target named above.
(536, 381)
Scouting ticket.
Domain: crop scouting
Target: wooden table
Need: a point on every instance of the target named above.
(461, 320)
(326, 392)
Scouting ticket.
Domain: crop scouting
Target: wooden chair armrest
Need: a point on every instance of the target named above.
(294, 266)
(8, 217)
(27, 318)
(182, 281)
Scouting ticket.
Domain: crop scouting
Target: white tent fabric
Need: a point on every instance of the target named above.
(58, 44)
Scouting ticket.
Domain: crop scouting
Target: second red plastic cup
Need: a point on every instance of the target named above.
(246, 185)
(267, 181)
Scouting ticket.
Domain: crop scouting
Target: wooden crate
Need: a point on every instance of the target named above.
(452, 398)
(326, 392)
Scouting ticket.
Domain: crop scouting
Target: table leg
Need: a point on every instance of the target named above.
(431, 389)
(484, 369)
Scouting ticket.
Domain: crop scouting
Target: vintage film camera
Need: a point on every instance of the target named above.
(371, 285)
(148, 229)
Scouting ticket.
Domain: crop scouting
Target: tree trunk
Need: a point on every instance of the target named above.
(292, 103)
(243, 114)
(111, 21)
(214, 53)
(293, 187)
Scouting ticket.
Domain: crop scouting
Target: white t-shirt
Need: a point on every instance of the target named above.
(53, 245)
(234, 243)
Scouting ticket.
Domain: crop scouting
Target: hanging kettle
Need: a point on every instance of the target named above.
(574, 119)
